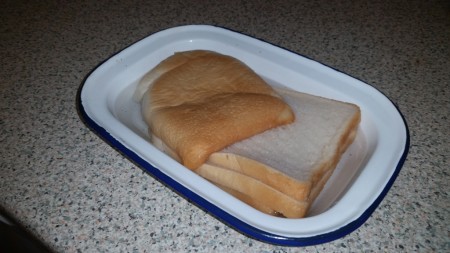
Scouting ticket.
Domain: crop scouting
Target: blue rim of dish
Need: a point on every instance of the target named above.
(220, 214)
(228, 218)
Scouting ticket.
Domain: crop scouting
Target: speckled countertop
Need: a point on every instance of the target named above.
(75, 193)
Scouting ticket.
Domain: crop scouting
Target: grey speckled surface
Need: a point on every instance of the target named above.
(76, 193)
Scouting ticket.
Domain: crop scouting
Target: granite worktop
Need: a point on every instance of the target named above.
(75, 193)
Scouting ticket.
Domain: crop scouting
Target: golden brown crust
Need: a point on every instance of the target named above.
(163, 67)
(209, 102)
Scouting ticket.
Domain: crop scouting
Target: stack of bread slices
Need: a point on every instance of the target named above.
(271, 147)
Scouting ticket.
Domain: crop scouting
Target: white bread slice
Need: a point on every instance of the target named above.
(250, 189)
(198, 102)
(281, 171)
(245, 187)
(295, 159)
(298, 190)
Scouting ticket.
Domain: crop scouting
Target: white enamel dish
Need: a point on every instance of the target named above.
(359, 183)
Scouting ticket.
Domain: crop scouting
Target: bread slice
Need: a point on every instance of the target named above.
(253, 191)
(281, 171)
(198, 102)
(296, 159)
(214, 115)
(256, 193)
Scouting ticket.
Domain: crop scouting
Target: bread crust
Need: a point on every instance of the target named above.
(163, 67)
(207, 102)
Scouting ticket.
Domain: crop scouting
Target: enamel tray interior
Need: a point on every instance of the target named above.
(359, 183)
